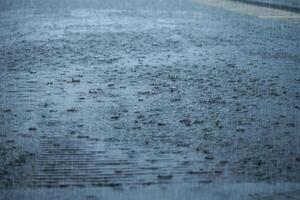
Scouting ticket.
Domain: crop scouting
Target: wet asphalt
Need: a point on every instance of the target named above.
(143, 93)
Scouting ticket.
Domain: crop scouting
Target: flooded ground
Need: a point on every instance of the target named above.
(134, 99)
